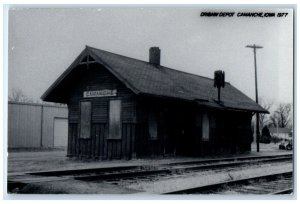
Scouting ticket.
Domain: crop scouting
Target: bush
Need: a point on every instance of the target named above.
(265, 136)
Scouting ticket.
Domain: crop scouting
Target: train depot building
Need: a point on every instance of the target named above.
(120, 107)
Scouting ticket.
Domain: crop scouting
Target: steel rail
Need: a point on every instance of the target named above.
(136, 171)
(173, 170)
(137, 167)
(216, 186)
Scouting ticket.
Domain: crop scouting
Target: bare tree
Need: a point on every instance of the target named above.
(263, 119)
(18, 96)
(281, 116)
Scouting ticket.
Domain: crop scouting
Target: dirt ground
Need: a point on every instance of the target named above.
(267, 147)
(30, 161)
(20, 162)
(207, 177)
(75, 187)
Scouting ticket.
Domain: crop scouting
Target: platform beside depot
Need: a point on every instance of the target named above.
(32, 161)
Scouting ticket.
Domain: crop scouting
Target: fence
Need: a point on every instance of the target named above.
(37, 125)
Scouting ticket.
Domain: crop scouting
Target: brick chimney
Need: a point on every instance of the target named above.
(154, 56)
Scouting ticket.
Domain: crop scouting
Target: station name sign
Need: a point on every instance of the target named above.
(99, 93)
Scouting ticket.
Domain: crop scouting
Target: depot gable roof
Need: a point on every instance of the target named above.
(144, 78)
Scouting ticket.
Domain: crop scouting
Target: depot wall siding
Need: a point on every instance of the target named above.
(100, 145)
(32, 125)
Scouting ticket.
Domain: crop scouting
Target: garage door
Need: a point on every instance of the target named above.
(60, 132)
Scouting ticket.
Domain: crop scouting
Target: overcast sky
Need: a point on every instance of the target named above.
(44, 42)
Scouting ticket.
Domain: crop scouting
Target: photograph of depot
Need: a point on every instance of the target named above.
(150, 101)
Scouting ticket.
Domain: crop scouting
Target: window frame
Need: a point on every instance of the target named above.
(109, 120)
(155, 117)
(90, 128)
(205, 138)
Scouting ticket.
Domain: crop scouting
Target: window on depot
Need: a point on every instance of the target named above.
(152, 123)
(115, 125)
(205, 127)
(85, 119)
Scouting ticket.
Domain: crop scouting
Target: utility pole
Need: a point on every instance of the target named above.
(254, 47)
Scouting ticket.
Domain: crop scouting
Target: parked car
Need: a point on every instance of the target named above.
(289, 146)
(282, 145)
(286, 146)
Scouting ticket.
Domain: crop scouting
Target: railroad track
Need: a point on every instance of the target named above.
(135, 173)
(273, 184)
(169, 170)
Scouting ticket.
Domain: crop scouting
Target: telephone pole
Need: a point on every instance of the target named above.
(254, 47)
